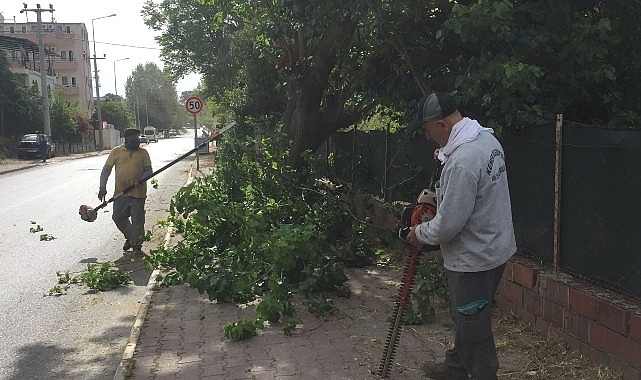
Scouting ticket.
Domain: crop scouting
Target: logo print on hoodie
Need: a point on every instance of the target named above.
(490, 164)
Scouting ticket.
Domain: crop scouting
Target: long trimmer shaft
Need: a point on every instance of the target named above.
(394, 333)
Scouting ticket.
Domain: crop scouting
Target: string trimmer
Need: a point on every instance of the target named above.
(424, 210)
(89, 214)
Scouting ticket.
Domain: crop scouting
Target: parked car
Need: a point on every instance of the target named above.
(28, 146)
(144, 139)
(172, 132)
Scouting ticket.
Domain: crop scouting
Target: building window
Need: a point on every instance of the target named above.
(63, 55)
(67, 29)
(12, 30)
(24, 29)
(58, 28)
(71, 57)
(65, 81)
(73, 82)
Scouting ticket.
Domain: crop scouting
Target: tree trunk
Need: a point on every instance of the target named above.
(307, 123)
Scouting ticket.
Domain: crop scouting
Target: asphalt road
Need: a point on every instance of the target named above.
(80, 335)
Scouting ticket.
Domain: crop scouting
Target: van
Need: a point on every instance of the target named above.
(151, 134)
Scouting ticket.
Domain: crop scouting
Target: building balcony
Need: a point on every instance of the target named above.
(70, 91)
(65, 65)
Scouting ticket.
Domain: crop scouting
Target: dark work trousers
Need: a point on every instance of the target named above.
(471, 296)
(129, 216)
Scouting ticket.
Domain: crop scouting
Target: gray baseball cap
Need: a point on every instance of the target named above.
(434, 106)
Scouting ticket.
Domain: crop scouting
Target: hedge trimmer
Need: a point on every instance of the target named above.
(424, 210)
(89, 214)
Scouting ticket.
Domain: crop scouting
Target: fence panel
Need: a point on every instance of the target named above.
(600, 237)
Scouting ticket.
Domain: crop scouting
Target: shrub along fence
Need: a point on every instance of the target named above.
(585, 283)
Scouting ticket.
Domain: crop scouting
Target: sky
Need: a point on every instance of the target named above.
(122, 36)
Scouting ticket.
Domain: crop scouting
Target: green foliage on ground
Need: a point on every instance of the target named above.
(257, 229)
(98, 277)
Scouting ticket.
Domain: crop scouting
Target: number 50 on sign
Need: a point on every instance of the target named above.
(194, 105)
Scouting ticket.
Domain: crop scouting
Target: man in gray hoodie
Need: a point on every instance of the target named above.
(473, 226)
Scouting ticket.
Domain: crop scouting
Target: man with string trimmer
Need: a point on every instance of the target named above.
(133, 165)
(473, 226)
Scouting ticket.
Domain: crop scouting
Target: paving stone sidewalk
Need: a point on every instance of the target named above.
(181, 338)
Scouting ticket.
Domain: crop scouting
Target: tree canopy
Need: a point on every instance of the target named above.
(323, 66)
(116, 111)
(151, 97)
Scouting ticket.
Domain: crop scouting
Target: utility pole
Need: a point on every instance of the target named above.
(43, 68)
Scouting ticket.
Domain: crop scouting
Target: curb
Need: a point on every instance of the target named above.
(64, 158)
(126, 363)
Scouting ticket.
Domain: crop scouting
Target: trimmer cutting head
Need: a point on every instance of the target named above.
(87, 213)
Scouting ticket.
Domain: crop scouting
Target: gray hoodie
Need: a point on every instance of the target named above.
(473, 223)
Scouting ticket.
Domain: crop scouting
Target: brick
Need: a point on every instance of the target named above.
(558, 293)
(525, 315)
(542, 325)
(532, 303)
(554, 313)
(630, 373)
(583, 303)
(509, 269)
(525, 276)
(578, 326)
(505, 305)
(594, 354)
(634, 327)
(512, 292)
(612, 316)
(568, 339)
(618, 345)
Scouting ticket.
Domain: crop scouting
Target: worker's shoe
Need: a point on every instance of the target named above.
(126, 246)
(441, 371)
(138, 251)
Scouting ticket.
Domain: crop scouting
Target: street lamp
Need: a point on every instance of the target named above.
(115, 81)
(95, 67)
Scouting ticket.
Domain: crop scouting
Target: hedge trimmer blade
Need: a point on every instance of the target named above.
(394, 333)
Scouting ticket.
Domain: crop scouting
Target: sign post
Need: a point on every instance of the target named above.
(194, 105)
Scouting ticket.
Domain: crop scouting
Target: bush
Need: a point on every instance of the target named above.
(255, 227)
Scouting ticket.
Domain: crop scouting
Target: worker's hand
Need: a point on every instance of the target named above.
(214, 134)
(102, 193)
(411, 238)
(436, 152)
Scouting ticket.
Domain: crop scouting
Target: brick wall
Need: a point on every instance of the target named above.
(598, 323)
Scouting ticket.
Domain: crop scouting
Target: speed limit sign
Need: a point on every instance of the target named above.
(194, 104)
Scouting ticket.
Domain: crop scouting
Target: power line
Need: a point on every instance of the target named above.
(131, 46)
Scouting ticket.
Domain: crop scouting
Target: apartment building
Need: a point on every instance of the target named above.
(67, 49)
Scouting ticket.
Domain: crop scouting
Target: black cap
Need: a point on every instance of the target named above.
(433, 106)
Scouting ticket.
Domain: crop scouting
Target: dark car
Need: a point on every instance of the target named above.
(144, 139)
(28, 146)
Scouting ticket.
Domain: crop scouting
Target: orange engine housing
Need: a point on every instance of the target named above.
(422, 212)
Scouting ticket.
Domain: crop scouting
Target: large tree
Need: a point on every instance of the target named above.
(151, 96)
(116, 111)
(319, 66)
(20, 106)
